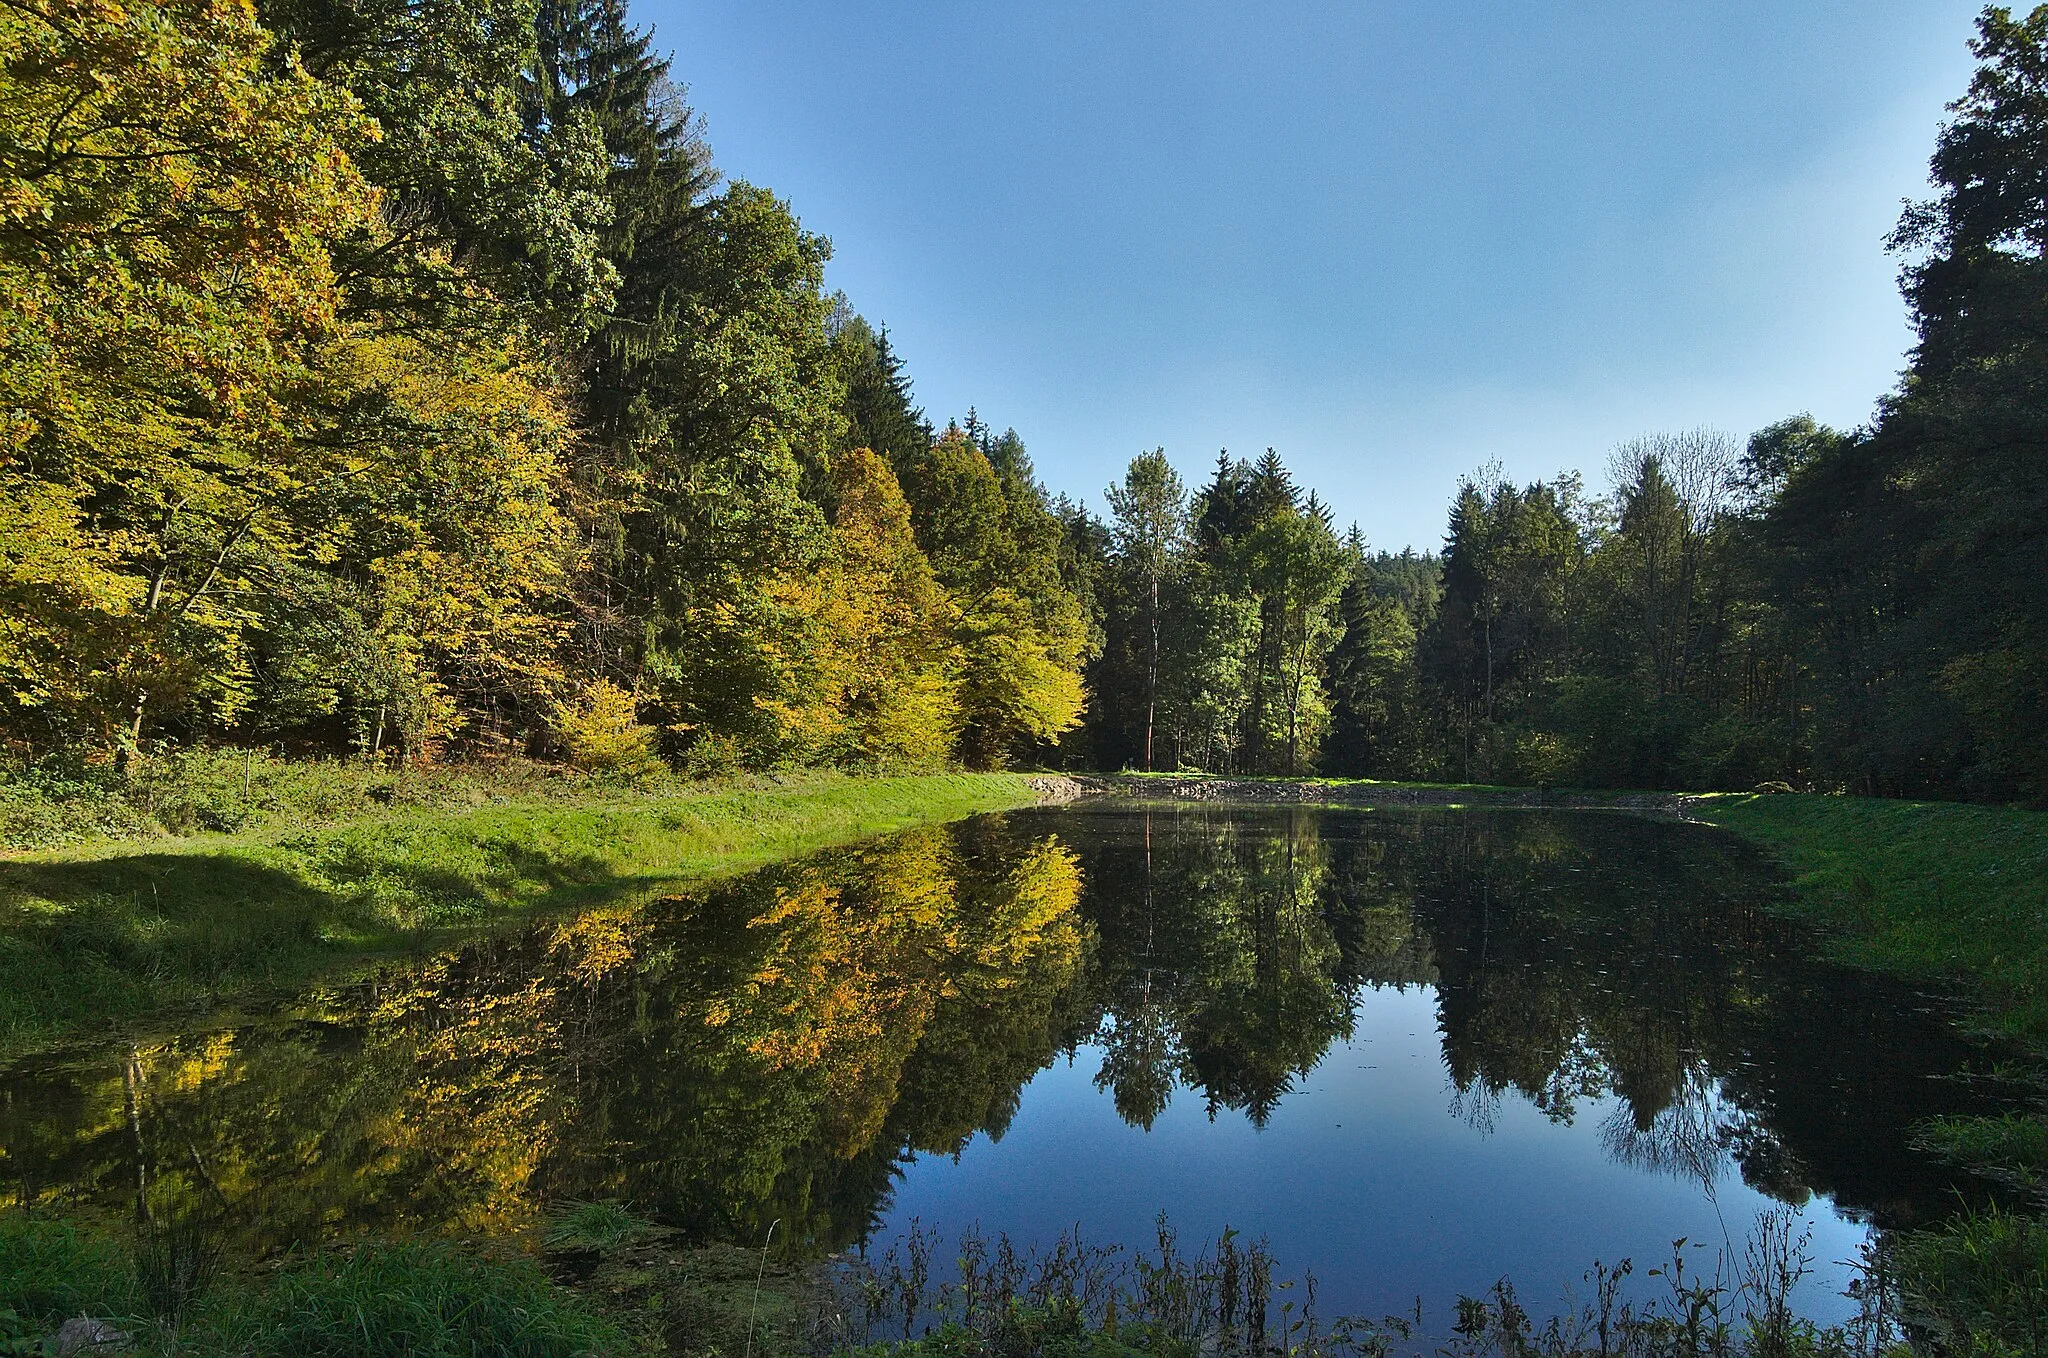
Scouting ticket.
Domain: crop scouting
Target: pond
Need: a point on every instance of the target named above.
(1416, 1049)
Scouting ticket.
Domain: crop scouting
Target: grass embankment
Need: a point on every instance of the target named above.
(114, 930)
(428, 1300)
(1927, 890)
(1955, 895)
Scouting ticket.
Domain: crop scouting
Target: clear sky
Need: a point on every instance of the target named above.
(1393, 240)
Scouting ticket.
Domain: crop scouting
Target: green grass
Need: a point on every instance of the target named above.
(244, 791)
(422, 1300)
(116, 931)
(1957, 896)
(426, 1299)
(51, 1271)
(1979, 1286)
(1927, 890)
(2011, 1149)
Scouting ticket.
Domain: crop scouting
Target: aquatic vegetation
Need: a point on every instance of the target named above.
(1980, 1284)
(1077, 1300)
(590, 1226)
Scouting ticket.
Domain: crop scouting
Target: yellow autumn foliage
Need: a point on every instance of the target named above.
(870, 677)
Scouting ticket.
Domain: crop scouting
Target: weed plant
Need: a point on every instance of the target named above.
(1077, 1300)
(1979, 1286)
(51, 1271)
(423, 1300)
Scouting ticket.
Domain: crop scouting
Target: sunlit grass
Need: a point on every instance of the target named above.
(110, 932)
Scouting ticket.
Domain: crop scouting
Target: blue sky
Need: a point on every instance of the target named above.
(1393, 240)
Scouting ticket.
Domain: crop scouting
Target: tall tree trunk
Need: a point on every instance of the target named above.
(1152, 675)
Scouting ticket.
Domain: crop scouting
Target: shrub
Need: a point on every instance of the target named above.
(602, 732)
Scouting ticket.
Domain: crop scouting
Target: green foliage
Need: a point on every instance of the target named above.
(52, 1270)
(403, 380)
(591, 1226)
(880, 415)
(994, 545)
(404, 1298)
(1219, 620)
(2011, 1148)
(869, 676)
(230, 791)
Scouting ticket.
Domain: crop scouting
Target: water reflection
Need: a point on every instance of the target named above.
(1572, 957)
(776, 1047)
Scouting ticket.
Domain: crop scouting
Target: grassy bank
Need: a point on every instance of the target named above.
(601, 1282)
(243, 791)
(116, 929)
(133, 1294)
(1932, 891)
(1957, 896)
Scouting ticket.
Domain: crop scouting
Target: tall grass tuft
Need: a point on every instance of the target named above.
(50, 1271)
(177, 1258)
(600, 1225)
(1979, 1285)
(420, 1300)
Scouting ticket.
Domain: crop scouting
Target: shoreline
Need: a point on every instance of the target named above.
(1943, 893)
(99, 937)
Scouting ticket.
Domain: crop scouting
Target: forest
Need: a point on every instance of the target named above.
(407, 381)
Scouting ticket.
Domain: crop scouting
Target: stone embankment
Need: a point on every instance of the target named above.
(1311, 791)
(1058, 787)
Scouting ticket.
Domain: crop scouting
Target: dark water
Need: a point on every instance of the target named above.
(1418, 1050)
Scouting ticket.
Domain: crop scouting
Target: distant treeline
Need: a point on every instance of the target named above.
(404, 379)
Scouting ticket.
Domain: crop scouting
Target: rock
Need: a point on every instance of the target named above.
(83, 1334)
(1057, 787)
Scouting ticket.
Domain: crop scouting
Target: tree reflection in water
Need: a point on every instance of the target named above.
(774, 1046)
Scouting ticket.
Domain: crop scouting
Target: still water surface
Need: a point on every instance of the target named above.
(1418, 1050)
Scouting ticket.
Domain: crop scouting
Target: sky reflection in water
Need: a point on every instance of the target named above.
(1375, 1173)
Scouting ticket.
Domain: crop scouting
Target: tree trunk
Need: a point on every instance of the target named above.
(1152, 675)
